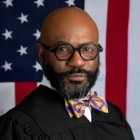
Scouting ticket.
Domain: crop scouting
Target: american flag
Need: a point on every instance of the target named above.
(119, 29)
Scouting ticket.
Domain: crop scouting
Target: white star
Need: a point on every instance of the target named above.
(7, 34)
(8, 3)
(7, 66)
(39, 3)
(70, 2)
(22, 50)
(37, 34)
(23, 18)
(37, 66)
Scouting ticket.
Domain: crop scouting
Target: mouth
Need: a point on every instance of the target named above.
(77, 77)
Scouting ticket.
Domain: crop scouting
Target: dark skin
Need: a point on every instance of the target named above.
(70, 25)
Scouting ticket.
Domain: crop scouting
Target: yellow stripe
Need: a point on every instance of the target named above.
(73, 102)
(80, 107)
(71, 115)
(101, 106)
(66, 104)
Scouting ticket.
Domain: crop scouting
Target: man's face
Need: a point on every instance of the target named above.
(73, 78)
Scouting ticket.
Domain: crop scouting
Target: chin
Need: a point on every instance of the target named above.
(74, 89)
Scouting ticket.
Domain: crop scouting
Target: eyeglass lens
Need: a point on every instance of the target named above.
(87, 51)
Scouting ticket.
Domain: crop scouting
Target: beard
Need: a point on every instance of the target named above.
(77, 90)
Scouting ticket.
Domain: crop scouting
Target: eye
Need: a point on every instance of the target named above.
(88, 48)
(64, 49)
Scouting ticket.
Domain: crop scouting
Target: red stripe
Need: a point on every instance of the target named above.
(22, 89)
(116, 52)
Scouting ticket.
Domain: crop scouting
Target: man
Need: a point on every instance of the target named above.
(69, 55)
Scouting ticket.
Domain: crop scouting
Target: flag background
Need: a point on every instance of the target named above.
(119, 30)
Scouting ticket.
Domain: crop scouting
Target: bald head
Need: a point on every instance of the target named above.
(67, 23)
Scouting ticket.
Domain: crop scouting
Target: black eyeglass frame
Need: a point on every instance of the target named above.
(53, 50)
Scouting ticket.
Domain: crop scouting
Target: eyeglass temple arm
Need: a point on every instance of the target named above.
(47, 47)
(100, 48)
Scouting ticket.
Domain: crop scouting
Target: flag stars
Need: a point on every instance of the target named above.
(23, 18)
(39, 3)
(37, 66)
(8, 3)
(7, 34)
(70, 2)
(22, 50)
(7, 66)
(37, 34)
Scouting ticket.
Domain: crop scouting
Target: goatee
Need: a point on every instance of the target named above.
(77, 90)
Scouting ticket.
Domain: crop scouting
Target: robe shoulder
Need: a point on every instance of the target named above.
(15, 125)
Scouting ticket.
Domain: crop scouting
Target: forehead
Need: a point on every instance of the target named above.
(70, 26)
(74, 36)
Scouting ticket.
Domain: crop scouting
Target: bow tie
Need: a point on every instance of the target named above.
(76, 107)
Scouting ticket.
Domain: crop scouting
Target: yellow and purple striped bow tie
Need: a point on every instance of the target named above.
(76, 107)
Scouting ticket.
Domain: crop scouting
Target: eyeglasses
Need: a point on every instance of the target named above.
(65, 51)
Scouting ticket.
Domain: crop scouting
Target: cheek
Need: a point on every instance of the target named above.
(92, 65)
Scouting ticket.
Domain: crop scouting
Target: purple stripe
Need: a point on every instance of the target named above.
(95, 94)
(77, 109)
(78, 101)
(96, 105)
(82, 102)
(68, 110)
(86, 103)
(102, 101)
(89, 96)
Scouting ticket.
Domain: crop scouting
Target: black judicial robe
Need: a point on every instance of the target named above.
(42, 116)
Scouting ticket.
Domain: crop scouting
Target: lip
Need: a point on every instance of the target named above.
(77, 77)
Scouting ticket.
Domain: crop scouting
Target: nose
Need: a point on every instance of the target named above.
(76, 61)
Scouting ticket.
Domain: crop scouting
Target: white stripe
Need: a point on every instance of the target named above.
(7, 96)
(133, 90)
(38, 83)
(98, 11)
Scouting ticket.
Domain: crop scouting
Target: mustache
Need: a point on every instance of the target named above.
(82, 71)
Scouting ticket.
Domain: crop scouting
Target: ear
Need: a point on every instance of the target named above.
(41, 53)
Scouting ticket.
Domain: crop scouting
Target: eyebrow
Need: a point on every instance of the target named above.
(61, 41)
(65, 42)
